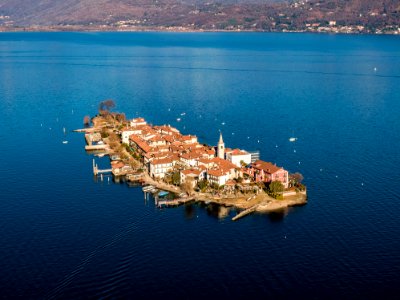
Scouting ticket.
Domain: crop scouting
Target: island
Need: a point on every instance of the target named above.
(177, 169)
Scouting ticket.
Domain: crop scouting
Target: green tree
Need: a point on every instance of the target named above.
(202, 184)
(176, 178)
(275, 188)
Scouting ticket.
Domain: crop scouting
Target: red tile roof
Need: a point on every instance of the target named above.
(141, 144)
(266, 166)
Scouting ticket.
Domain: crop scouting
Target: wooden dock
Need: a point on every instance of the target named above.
(95, 147)
(175, 202)
(97, 171)
(245, 212)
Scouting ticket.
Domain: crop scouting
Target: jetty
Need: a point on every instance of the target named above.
(97, 171)
(245, 212)
(175, 202)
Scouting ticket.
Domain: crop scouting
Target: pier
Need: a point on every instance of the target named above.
(97, 171)
(245, 212)
(175, 202)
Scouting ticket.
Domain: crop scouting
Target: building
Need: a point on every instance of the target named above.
(255, 155)
(193, 176)
(217, 176)
(127, 132)
(221, 147)
(237, 157)
(138, 122)
(263, 171)
(138, 144)
(159, 167)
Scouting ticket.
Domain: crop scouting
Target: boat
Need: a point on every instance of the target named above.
(65, 142)
(178, 119)
(163, 194)
(292, 139)
(147, 188)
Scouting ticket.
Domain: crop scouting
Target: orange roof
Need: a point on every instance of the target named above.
(156, 138)
(238, 152)
(216, 172)
(191, 171)
(266, 166)
(168, 138)
(117, 164)
(205, 160)
(138, 120)
(223, 164)
(141, 144)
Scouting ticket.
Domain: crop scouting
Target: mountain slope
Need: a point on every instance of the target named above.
(269, 15)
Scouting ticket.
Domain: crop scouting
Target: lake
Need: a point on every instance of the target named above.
(66, 235)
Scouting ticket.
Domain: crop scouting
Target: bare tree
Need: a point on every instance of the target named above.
(106, 105)
(86, 120)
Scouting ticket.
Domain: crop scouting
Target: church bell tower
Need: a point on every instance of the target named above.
(221, 147)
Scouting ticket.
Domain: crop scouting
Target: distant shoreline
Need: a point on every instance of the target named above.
(44, 29)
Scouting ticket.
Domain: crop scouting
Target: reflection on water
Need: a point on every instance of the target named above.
(278, 215)
(189, 211)
(217, 211)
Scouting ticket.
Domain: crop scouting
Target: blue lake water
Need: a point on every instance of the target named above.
(65, 235)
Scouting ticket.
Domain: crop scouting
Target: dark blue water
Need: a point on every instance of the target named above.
(65, 235)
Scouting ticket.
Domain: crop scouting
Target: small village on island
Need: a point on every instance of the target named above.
(176, 169)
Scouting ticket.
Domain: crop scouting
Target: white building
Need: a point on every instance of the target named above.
(126, 133)
(217, 177)
(189, 160)
(237, 156)
(159, 167)
(138, 122)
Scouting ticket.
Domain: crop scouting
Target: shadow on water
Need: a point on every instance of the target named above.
(216, 211)
(189, 211)
(278, 215)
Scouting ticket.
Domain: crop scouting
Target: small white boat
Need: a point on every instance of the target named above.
(65, 142)
(147, 188)
(178, 119)
(182, 114)
(292, 139)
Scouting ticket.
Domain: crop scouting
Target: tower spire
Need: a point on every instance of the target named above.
(221, 141)
(221, 147)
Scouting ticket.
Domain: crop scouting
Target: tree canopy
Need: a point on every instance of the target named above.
(106, 105)
(275, 188)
